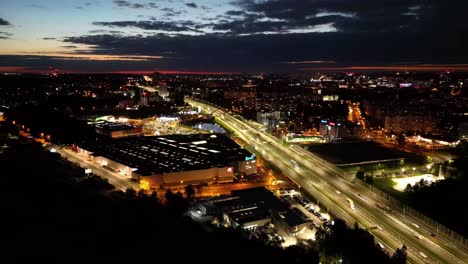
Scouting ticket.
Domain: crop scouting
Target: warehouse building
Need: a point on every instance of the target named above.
(175, 160)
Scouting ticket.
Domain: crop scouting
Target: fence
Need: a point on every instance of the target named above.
(409, 211)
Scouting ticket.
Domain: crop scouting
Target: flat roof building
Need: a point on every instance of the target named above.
(174, 160)
(118, 130)
(247, 208)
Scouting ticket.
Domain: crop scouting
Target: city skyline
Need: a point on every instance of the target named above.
(232, 36)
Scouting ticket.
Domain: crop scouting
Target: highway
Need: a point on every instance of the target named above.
(329, 185)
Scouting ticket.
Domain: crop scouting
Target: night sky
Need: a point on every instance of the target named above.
(233, 35)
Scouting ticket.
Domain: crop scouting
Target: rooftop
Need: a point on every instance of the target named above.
(111, 126)
(293, 218)
(173, 153)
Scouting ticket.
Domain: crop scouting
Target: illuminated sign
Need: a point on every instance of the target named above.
(229, 169)
(163, 118)
(250, 158)
(324, 121)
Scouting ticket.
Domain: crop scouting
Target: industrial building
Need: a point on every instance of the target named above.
(247, 209)
(173, 160)
(292, 221)
(118, 130)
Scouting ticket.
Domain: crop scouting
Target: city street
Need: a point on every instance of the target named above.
(118, 180)
(322, 179)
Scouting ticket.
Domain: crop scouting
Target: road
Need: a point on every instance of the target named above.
(118, 180)
(322, 180)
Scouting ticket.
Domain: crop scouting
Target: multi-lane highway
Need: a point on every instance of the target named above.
(345, 199)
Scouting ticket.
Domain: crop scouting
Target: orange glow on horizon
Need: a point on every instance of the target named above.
(94, 57)
(418, 67)
(14, 69)
(174, 72)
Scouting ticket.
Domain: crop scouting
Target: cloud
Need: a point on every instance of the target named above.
(231, 52)
(128, 4)
(86, 4)
(3, 22)
(235, 13)
(37, 6)
(48, 38)
(70, 46)
(286, 35)
(191, 5)
(106, 31)
(153, 5)
(355, 16)
(310, 62)
(151, 25)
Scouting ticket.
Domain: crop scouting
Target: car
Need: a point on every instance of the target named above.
(418, 236)
(433, 235)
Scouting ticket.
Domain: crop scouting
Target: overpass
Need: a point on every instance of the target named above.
(330, 185)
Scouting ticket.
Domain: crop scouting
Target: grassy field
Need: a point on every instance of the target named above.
(357, 152)
(386, 185)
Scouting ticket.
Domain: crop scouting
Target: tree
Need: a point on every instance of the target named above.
(369, 179)
(154, 195)
(142, 193)
(408, 188)
(356, 225)
(169, 194)
(399, 257)
(189, 191)
(401, 139)
(360, 174)
(130, 193)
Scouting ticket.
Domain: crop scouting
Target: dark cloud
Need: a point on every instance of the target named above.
(362, 32)
(106, 31)
(267, 52)
(37, 6)
(70, 46)
(123, 3)
(5, 35)
(153, 5)
(48, 38)
(170, 12)
(86, 4)
(149, 25)
(3, 22)
(350, 16)
(192, 5)
(235, 13)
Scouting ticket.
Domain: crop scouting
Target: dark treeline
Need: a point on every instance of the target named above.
(444, 201)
